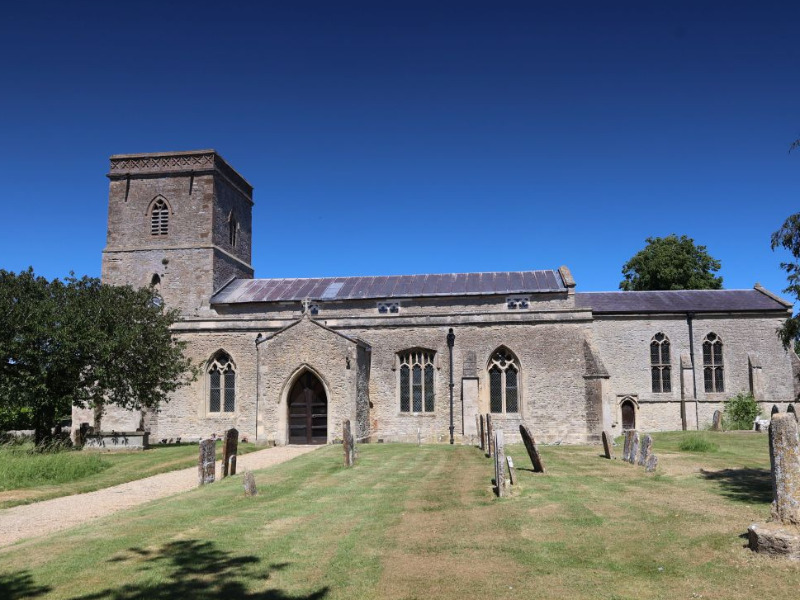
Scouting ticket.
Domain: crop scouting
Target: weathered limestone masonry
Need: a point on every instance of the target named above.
(289, 360)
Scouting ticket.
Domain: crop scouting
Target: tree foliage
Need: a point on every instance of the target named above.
(740, 411)
(81, 343)
(788, 237)
(671, 263)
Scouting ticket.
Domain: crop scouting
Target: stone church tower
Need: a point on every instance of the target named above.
(180, 221)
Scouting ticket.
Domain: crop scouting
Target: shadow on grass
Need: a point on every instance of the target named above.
(745, 484)
(20, 585)
(196, 570)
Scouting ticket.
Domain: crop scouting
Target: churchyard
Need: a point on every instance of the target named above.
(411, 521)
(27, 476)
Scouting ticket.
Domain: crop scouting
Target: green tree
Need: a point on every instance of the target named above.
(671, 263)
(788, 237)
(82, 343)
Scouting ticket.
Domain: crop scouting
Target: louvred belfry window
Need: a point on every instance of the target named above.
(417, 387)
(660, 367)
(221, 384)
(159, 218)
(503, 382)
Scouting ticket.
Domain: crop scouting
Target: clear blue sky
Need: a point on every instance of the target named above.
(415, 137)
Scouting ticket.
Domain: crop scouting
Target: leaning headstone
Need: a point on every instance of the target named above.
(716, 422)
(626, 451)
(608, 445)
(645, 451)
(249, 484)
(512, 472)
(489, 436)
(500, 464)
(482, 431)
(230, 447)
(349, 444)
(782, 535)
(206, 463)
(530, 446)
(651, 464)
(634, 448)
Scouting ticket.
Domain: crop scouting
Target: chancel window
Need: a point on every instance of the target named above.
(713, 369)
(159, 218)
(660, 368)
(503, 382)
(417, 388)
(221, 384)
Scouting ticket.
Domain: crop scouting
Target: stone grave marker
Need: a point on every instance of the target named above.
(781, 536)
(651, 464)
(230, 448)
(716, 423)
(249, 484)
(775, 410)
(478, 427)
(206, 463)
(349, 444)
(634, 448)
(530, 446)
(626, 450)
(489, 436)
(512, 472)
(790, 410)
(482, 431)
(608, 445)
(500, 464)
(645, 450)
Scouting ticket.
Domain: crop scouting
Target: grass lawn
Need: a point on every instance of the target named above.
(422, 522)
(27, 477)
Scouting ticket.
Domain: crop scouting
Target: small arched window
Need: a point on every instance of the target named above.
(660, 369)
(503, 382)
(159, 218)
(221, 384)
(713, 368)
(417, 388)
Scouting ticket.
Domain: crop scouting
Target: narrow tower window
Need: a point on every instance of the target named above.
(232, 226)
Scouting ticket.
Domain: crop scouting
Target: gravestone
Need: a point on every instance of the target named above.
(634, 448)
(645, 451)
(230, 448)
(608, 445)
(626, 450)
(775, 410)
(482, 432)
(530, 446)
(781, 536)
(716, 423)
(489, 436)
(249, 484)
(206, 463)
(478, 427)
(349, 444)
(512, 472)
(790, 411)
(651, 464)
(500, 464)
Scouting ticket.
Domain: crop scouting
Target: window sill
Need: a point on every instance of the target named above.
(416, 414)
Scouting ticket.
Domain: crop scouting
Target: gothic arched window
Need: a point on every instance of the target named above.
(221, 383)
(417, 389)
(503, 382)
(232, 230)
(660, 369)
(159, 218)
(713, 369)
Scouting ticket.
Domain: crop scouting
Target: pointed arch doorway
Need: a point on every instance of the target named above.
(308, 411)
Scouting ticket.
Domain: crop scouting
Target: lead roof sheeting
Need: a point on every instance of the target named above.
(393, 286)
(677, 301)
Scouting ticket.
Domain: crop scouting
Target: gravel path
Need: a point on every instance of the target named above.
(45, 517)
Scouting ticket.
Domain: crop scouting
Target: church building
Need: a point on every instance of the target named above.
(287, 360)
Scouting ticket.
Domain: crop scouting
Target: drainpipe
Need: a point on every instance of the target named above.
(689, 317)
(451, 340)
(258, 378)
